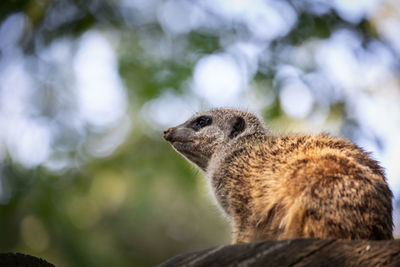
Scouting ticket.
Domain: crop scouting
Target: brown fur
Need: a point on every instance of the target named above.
(280, 187)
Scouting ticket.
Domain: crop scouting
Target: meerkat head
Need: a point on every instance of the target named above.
(201, 136)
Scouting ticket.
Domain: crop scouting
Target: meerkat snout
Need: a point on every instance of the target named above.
(168, 134)
(167, 131)
(288, 186)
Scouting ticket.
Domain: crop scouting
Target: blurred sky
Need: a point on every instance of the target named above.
(91, 98)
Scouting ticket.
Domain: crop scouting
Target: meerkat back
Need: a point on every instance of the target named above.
(279, 187)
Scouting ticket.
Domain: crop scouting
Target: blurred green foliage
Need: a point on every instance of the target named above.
(144, 203)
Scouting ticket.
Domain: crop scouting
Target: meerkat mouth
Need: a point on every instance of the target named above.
(183, 146)
(181, 143)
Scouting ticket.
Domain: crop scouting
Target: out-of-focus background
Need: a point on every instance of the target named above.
(86, 88)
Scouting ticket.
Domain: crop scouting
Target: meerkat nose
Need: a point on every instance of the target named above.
(168, 133)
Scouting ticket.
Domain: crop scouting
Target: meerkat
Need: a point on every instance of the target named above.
(286, 186)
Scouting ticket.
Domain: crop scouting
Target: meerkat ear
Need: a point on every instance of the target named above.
(237, 126)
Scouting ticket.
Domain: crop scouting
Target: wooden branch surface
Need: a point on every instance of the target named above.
(295, 252)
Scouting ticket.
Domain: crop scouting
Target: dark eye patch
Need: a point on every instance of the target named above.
(200, 122)
(238, 126)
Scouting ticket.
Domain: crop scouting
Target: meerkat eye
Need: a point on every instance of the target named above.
(200, 122)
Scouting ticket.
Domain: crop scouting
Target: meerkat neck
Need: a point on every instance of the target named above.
(239, 144)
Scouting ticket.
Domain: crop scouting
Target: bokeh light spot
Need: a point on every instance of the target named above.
(296, 99)
(101, 93)
(34, 234)
(218, 79)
